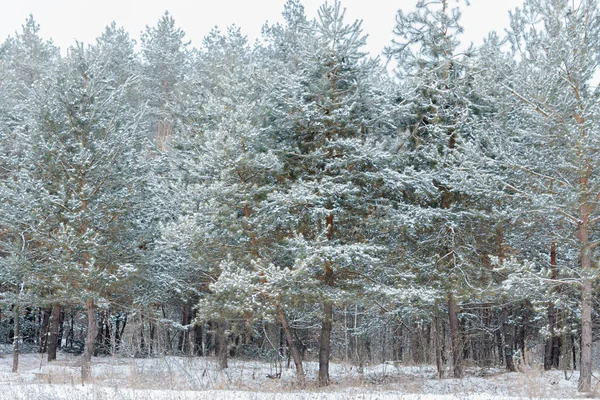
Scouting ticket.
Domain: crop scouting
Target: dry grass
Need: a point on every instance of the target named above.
(182, 378)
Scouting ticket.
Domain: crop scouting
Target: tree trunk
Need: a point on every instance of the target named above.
(507, 330)
(455, 337)
(438, 343)
(45, 329)
(221, 346)
(53, 341)
(325, 343)
(293, 349)
(549, 348)
(16, 337)
(550, 356)
(416, 344)
(142, 351)
(90, 340)
(574, 352)
(120, 323)
(585, 370)
(151, 337)
(98, 346)
(198, 333)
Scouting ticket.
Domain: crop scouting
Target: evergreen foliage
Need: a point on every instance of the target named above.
(214, 195)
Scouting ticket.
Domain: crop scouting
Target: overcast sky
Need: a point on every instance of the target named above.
(84, 20)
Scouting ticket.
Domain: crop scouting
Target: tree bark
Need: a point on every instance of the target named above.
(221, 347)
(507, 330)
(45, 329)
(90, 340)
(585, 370)
(293, 349)
(198, 333)
(438, 343)
(551, 357)
(325, 343)
(327, 322)
(455, 337)
(550, 341)
(53, 340)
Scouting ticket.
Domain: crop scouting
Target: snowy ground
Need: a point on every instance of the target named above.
(174, 378)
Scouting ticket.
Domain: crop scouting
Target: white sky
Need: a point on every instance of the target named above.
(84, 20)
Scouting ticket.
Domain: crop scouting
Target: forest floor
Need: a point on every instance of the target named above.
(175, 378)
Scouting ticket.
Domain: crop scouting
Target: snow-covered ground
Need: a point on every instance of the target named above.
(170, 378)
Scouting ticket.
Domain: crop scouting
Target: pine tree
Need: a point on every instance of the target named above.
(327, 110)
(165, 61)
(556, 45)
(80, 141)
(436, 89)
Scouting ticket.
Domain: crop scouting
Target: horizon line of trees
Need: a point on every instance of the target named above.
(292, 197)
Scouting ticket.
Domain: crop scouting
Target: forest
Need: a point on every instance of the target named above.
(295, 198)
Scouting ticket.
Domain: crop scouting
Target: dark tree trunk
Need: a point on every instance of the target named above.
(151, 341)
(45, 329)
(325, 343)
(143, 351)
(454, 337)
(509, 345)
(550, 356)
(521, 333)
(574, 352)
(221, 345)
(98, 347)
(198, 333)
(293, 349)
(53, 340)
(168, 339)
(90, 340)
(327, 321)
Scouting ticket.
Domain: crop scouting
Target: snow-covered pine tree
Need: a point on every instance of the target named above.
(80, 143)
(229, 169)
(556, 113)
(327, 108)
(165, 61)
(440, 181)
(524, 225)
(26, 62)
